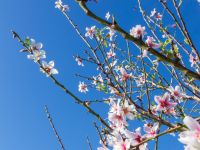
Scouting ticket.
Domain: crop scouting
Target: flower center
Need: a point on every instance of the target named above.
(47, 70)
(176, 93)
(164, 103)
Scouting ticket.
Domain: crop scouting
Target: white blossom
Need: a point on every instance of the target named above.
(48, 68)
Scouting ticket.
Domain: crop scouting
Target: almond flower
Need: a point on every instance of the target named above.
(158, 16)
(150, 41)
(128, 110)
(59, 5)
(151, 130)
(137, 31)
(111, 54)
(48, 68)
(116, 114)
(136, 138)
(117, 119)
(35, 46)
(163, 103)
(176, 92)
(90, 32)
(37, 55)
(191, 137)
(124, 74)
(79, 61)
(82, 87)
(122, 144)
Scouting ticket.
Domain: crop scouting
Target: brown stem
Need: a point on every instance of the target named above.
(138, 42)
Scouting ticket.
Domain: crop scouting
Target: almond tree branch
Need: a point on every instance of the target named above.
(138, 42)
(76, 99)
(158, 135)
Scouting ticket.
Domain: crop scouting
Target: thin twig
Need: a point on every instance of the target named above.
(89, 143)
(53, 127)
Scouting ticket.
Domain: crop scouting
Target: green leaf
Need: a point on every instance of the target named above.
(27, 42)
(105, 43)
(167, 41)
(101, 87)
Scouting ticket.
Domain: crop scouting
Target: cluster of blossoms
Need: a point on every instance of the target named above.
(36, 54)
(121, 110)
(139, 32)
(164, 102)
(121, 138)
(59, 5)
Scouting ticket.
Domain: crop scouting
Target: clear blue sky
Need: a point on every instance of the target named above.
(24, 91)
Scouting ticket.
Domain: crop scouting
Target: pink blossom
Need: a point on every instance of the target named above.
(150, 129)
(116, 114)
(37, 55)
(48, 68)
(170, 111)
(129, 110)
(79, 61)
(82, 87)
(191, 137)
(154, 110)
(158, 16)
(150, 41)
(118, 119)
(111, 54)
(124, 74)
(176, 92)
(136, 138)
(59, 5)
(122, 145)
(90, 32)
(137, 31)
(35, 46)
(163, 103)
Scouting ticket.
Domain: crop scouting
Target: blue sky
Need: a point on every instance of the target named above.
(24, 91)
